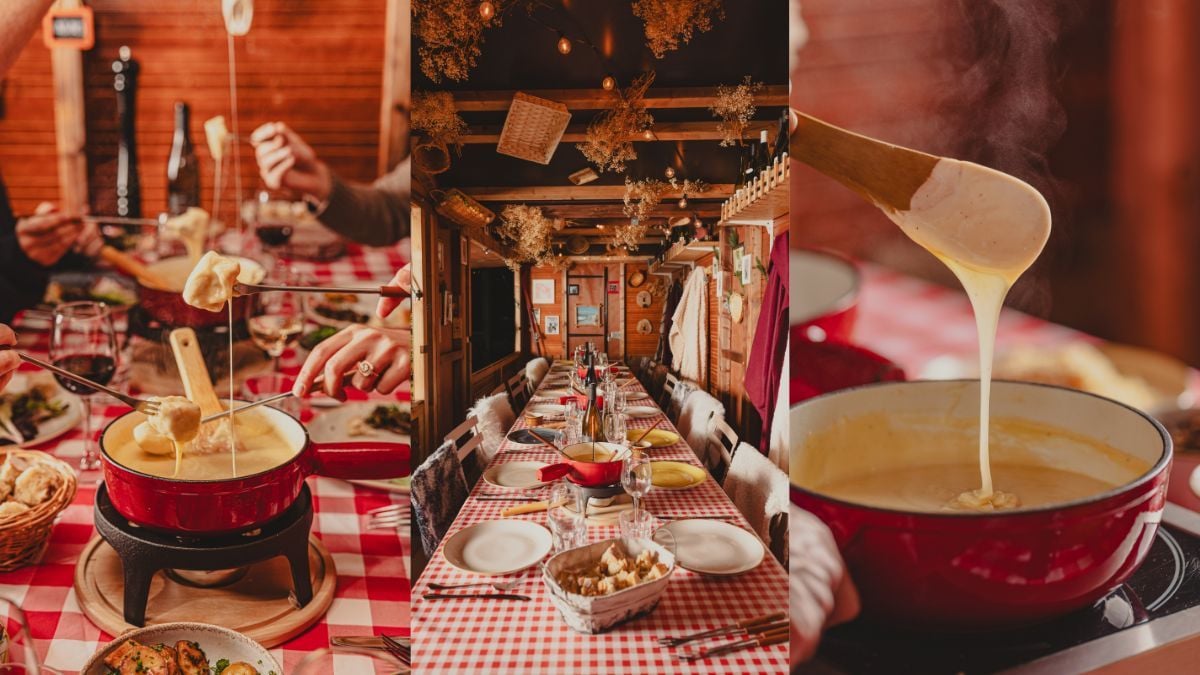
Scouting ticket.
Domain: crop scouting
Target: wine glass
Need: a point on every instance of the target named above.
(565, 515)
(616, 428)
(635, 476)
(572, 420)
(272, 230)
(18, 654)
(280, 318)
(83, 342)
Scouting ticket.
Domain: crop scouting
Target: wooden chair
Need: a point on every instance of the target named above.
(668, 391)
(501, 388)
(466, 439)
(727, 439)
(647, 372)
(518, 390)
(438, 492)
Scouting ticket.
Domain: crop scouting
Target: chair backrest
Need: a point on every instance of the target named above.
(695, 424)
(465, 438)
(501, 388)
(647, 374)
(535, 372)
(683, 390)
(759, 489)
(438, 492)
(518, 392)
(668, 391)
(727, 439)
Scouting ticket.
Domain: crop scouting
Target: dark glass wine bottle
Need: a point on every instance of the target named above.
(781, 138)
(762, 154)
(183, 171)
(590, 427)
(590, 377)
(129, 186)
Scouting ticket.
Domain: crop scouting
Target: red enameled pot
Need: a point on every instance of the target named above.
(580, 470)
(977, 571)
(168, 307)
(824, 295)
(213, 507)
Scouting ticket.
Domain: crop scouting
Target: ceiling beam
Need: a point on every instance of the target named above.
(617, 211)
(571, 193)
(663, 131)
(596, 98)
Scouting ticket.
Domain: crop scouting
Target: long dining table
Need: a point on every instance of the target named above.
(372, 594)
(505, 637)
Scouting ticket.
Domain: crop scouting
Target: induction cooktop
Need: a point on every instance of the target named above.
(1159, 604)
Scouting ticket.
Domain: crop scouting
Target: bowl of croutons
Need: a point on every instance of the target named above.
(599, 586)
(34, 488)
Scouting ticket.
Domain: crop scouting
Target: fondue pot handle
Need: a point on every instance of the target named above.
(553, 472)
(361, 460)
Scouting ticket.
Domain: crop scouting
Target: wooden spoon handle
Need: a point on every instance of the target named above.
(127, 264)
(196, 380)
(887, 175)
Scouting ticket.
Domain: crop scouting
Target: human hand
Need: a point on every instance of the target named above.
(386, 350)
(286, 161)
(403, 279)
(821, 592)
(9, 361)
(48, 234)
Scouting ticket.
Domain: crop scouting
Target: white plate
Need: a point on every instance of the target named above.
(332, 425)
(642, 411)
(217, 642)
(636, 396)
(497, 547)
(514, 475)
(549, 411)
(554, 392)
(50, 429)
(711, 546)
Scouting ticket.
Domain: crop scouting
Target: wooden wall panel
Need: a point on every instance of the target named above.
(316, 65)
(635, 343)
(553, 343)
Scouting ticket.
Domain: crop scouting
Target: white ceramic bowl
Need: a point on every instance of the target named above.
(217, 642)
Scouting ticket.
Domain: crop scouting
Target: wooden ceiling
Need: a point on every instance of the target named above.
(520, 55)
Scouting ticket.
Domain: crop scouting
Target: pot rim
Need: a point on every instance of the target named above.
(1164, 461)
(843, 302)
(109, 459)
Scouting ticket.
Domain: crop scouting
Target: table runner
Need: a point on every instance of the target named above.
(527, 638)
(372, 589)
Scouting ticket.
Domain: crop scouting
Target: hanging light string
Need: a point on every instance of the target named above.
(489, 9)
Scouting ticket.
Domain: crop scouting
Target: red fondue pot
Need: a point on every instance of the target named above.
(972, 571)
(168, 307)
(823, 296)
(579, 469)
(211, 507)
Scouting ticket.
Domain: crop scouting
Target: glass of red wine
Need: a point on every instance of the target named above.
(83, 342)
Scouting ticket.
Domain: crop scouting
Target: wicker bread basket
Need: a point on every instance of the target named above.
(533, 128)
(24, 537)
(596, 614)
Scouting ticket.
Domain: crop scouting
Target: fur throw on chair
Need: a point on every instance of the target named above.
(535, 370)
(695, 424)
(757, 487)
(496, 417)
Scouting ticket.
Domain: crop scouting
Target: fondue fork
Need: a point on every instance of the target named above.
(141, 405)
(502, 587)
(743, 625)
(320, 379)
(386, 291)
(772, 637)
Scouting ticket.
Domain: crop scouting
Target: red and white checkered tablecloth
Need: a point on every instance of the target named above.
(912, 322)
(496, 637)
(373, 588)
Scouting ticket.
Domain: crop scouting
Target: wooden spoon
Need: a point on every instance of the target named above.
(196, 380)
(127, 264)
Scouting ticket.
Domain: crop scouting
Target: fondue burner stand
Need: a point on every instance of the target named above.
(1159, 604)
(144, 552)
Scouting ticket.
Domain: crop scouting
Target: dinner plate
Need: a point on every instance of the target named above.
(333, 425)
(527, 437)
(711, 547)
(625, 381)
(49, 429)
(554, 392)
(514, 475)
(642, 411)
(497, 547)
(547, 411)
(658, 438)
(676, 475)
(636, 396)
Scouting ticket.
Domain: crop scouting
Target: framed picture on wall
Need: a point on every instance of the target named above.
(587, 315)
(552, 324)
(747, 269)
(572, 289)
(543, 291)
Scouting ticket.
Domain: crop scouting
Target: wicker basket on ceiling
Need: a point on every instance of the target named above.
(533, 128)
(462, 208)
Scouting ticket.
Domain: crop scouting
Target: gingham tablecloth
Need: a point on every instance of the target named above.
(503, 637)
(912, 322)
(372, 588)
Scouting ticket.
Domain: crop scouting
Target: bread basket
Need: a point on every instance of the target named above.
(24, 537)
(596, 614)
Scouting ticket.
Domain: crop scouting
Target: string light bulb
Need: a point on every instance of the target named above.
(670, 172)
(608, 83)
(648, 134)
(564, 45)
(487, 10)
(683, 201)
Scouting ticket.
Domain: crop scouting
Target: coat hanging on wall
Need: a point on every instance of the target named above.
(689, 328)
(765, 368)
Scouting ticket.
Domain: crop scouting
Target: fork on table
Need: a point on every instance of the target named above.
(392, 515)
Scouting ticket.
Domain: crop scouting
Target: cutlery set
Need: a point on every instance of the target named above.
(399, 648)
(390, 516)
(759, 631)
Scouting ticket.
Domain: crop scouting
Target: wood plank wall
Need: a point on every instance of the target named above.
(637, 344)
(316, 65)
(553, 343)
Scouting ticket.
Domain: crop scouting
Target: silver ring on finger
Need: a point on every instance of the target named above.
(366, 369)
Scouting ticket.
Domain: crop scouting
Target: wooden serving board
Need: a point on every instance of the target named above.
(258, 605)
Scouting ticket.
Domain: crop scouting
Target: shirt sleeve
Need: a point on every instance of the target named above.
(374, 215)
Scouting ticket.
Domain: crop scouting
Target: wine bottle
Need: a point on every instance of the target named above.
(749, 161)
(762, 155)
(183, 171)
(741, 172)
(590, 378)
(781, 138)
(129, 186)
(590, 427)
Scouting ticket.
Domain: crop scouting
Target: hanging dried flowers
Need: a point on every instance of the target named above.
(525, 233)
(609, 143)
(451, 33)
(735, 108)
(434, 114)
(671, 23)
(642, 196)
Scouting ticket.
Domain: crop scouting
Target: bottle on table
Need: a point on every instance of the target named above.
(591, 427)
(183, 170)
